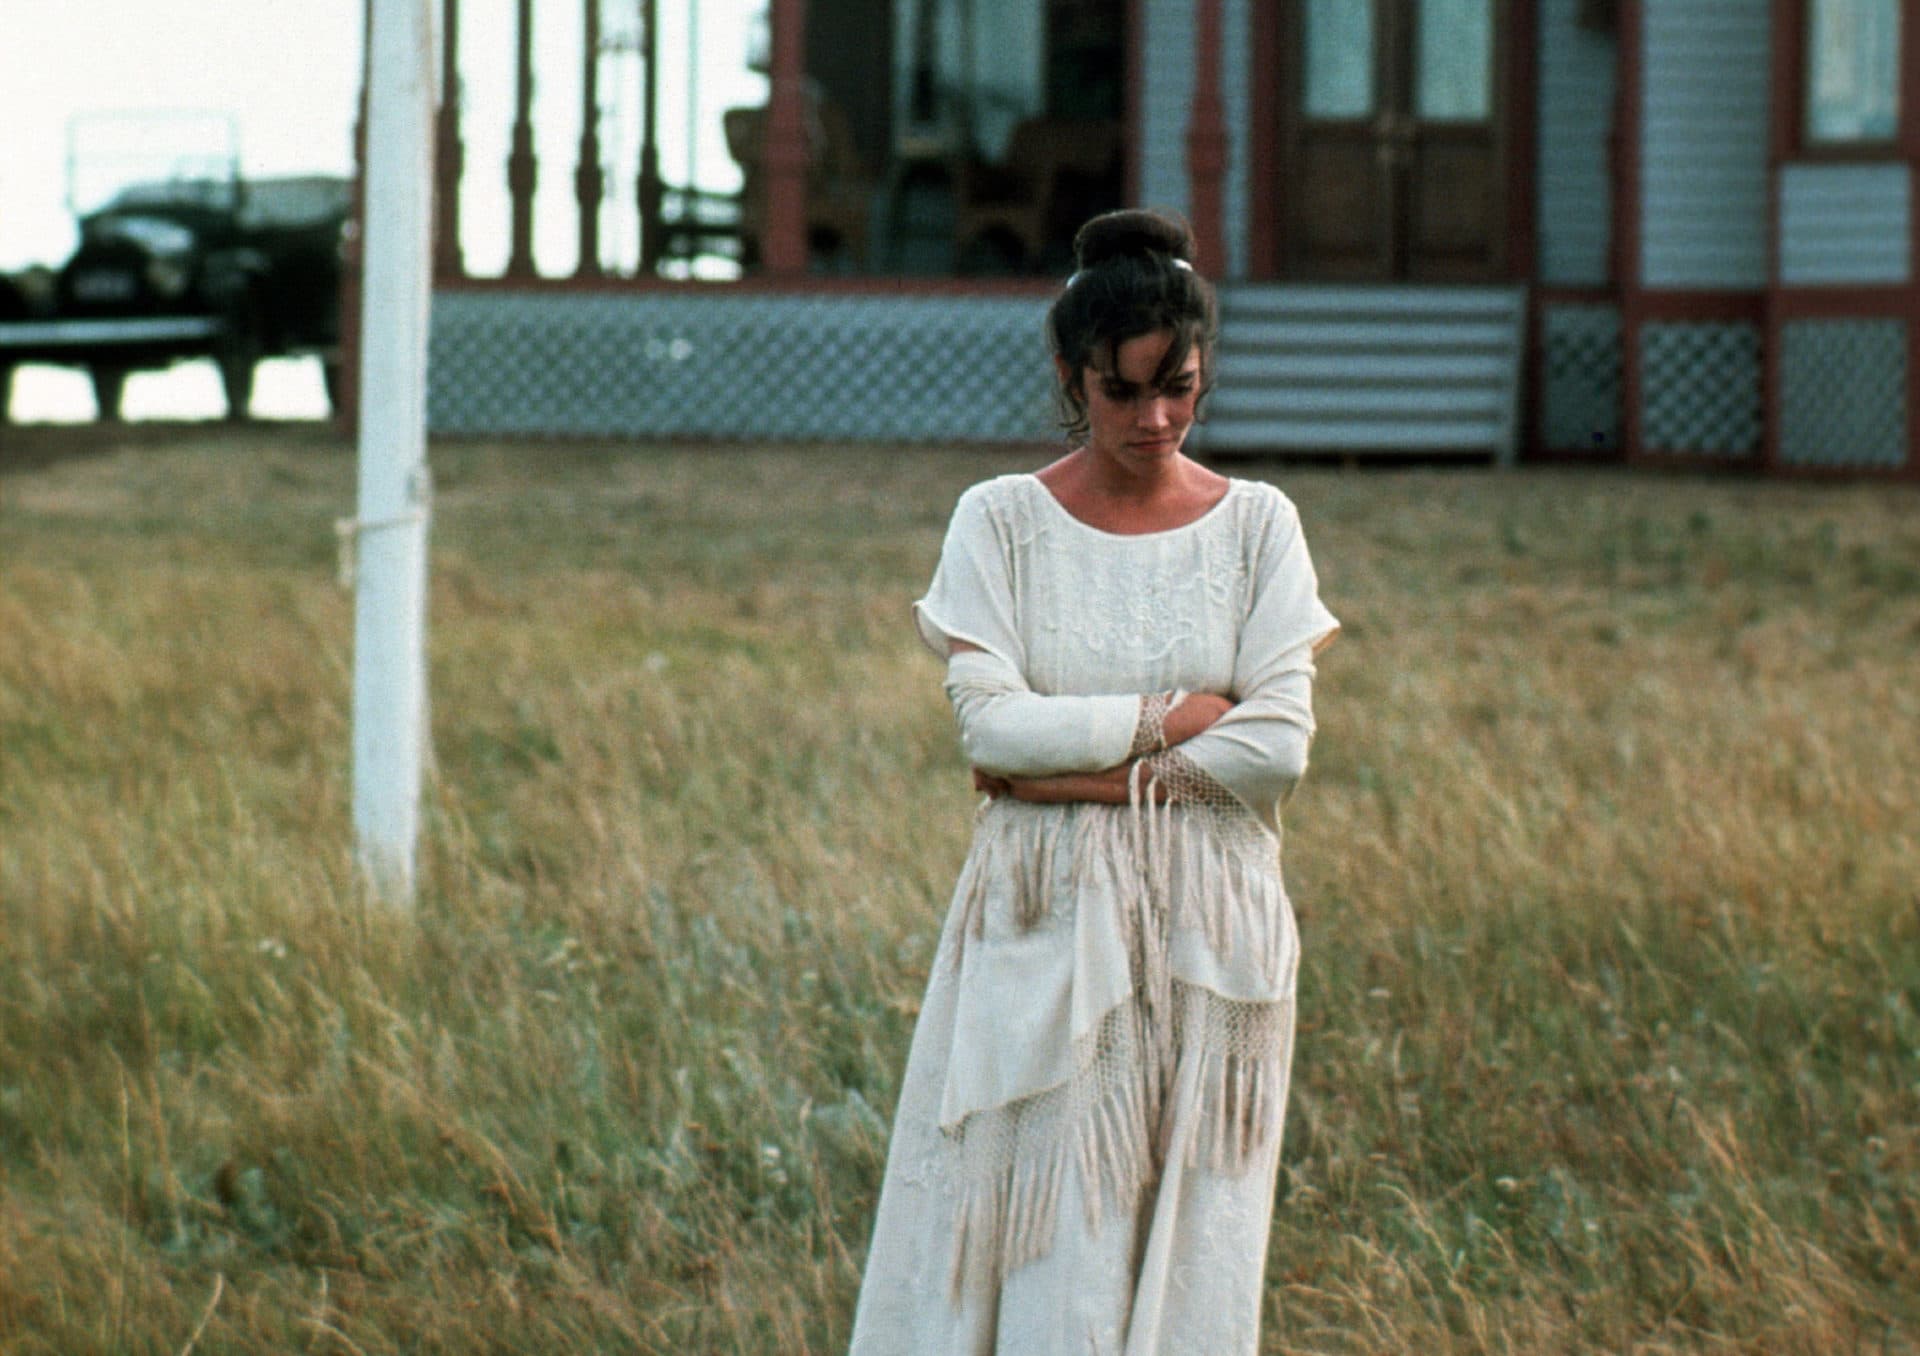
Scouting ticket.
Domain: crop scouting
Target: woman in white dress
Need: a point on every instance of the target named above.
(1084, 1153)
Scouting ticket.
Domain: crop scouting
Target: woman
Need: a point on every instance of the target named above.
(1084, 1154)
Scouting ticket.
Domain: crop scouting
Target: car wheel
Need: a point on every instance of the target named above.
(236, 356)
(109, 383)
(331, 376)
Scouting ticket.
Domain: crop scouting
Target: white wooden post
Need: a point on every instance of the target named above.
(390, 596)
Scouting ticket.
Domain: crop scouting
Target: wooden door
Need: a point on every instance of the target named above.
(1393, 140)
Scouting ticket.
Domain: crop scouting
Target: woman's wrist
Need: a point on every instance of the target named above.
(1192, 715)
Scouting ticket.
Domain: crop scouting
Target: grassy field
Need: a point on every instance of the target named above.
(1608, 870)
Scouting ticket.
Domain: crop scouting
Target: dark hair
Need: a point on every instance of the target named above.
(1134, 276)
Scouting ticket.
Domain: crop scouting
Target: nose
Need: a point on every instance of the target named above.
(1154, 412)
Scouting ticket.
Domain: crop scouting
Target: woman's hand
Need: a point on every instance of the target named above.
(1195, 713)
(992, 786)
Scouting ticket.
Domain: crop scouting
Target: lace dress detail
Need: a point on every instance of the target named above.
(1150, 730)
(1089, 1126)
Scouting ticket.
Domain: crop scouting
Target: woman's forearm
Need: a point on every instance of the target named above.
(1110, 787)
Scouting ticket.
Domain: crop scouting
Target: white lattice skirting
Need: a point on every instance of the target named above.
(749, 366)
(1580, 378)
(1843, 393)
(1700, 384)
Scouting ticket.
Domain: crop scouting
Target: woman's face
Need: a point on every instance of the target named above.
(1129, 418)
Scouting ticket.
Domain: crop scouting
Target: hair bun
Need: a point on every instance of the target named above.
(1134, 233)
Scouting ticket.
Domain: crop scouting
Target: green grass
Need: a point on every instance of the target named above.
(1608, 869)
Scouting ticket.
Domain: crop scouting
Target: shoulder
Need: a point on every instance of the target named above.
(1265, 514)
(991, 504)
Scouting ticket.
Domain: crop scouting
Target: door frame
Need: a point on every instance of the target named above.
(1272, 87)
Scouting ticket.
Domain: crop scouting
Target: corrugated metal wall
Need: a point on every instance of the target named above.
(1704, 143)
(740, 365)
(1575, 199)
(1166, 102)
(1846, 224)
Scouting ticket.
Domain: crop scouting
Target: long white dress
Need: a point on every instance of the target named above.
(1084, 1152)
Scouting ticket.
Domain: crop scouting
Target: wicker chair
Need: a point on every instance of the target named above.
(839, 186)
(1054, 172)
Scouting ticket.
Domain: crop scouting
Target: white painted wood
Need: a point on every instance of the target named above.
(1704, 142)
(1846, 224)
(1574, 179)
(1236, 103)
(389, 671)
(1166, 102)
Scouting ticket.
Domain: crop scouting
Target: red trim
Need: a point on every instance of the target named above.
(769, 284)
(1802, 303)
(1523, 123)
(1666, 308)
(1263, 143)
(1206, 143)
(783, 248)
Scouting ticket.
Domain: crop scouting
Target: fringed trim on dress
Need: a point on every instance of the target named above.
(1110, 1121)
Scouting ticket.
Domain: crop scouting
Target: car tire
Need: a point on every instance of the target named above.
(331, 376)
(109, 384)
(238, 352)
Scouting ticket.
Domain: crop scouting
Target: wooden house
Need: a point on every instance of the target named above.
(1665, 231)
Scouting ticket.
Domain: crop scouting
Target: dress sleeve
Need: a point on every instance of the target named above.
(1006, 728)
(1258, 750)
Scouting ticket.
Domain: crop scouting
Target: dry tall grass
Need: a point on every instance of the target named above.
(1608, 870)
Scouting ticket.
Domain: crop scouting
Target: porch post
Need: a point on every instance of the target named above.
(1206, 142)
(449, 153)
(648, 190)
(523, 170)
(589, 182)
(783, 247)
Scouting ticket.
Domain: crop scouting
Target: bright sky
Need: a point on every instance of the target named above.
(287, 71)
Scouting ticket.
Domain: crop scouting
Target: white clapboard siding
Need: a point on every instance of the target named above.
(1358, 370)
(1704, 138)
(1236, 108)
(1849, 225)
(1574, 178)
(1166, 104)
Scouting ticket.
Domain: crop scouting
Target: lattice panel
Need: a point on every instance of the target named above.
(1580, 388)
(1700, 385)
(1843, 393)
(740, 366)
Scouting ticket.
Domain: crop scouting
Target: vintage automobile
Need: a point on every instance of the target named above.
(223, 268)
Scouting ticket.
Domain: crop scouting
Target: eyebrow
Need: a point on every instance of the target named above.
(1114, 382)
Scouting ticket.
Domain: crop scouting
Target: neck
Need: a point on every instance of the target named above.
(1120, 477)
